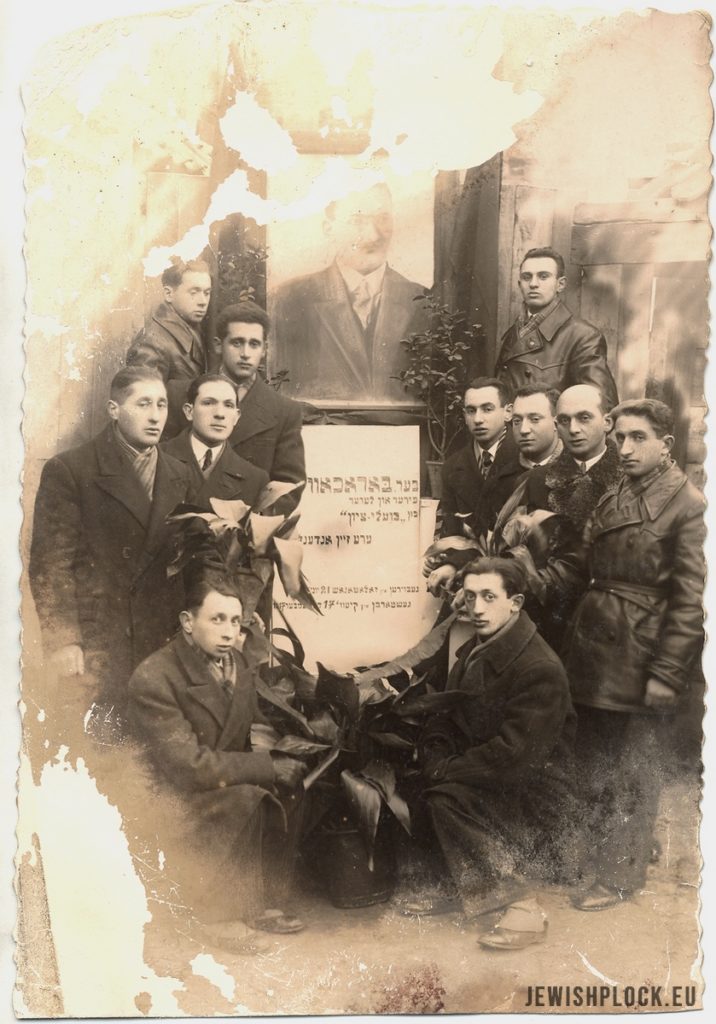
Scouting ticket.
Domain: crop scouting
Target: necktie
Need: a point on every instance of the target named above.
(583, 467)
(485, 463)
(206, 464)
(362, 303)
(145, 466)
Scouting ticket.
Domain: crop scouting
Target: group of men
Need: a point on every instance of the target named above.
(600, 537)
(618, 598)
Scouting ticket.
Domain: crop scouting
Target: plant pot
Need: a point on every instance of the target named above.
(343, 865)
(435, 478)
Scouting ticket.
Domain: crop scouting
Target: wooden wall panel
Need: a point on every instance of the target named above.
(600, 303)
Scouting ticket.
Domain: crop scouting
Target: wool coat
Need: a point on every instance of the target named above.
(99, 555)
(232, 478)
(561, 352)
(175, 348)
(196, 739)
(466, 491)
(502, 803)
(641, 615)
(268, 435)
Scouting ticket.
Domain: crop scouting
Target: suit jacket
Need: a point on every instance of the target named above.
(516, 726)
(232, 477)
(268, 435)
(562, 351)
(195, 734)
(175, 348)
(465, 490)
(99, 556)
(321, 341)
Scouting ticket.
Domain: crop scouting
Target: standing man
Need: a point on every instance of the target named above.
(498, 770)
(192, 704)
(338, 331)
(632, 643)
(216, 470)
(268, 433)
(171, 341)
(548, 344)
(100, 543)
(480, 477)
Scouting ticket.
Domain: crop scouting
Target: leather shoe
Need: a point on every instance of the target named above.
(506, 938)
(599, 897)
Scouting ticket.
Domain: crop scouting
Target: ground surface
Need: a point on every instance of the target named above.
(375, 960)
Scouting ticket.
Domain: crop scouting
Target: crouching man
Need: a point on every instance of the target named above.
(235, 812)
(499, 791)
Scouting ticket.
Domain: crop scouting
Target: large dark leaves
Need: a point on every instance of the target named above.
(364, 800)
(428, 646)
(339, 690)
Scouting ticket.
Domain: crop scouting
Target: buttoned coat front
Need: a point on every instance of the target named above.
(642, 614)
(231, 479)
(99, 556)
(561, 352)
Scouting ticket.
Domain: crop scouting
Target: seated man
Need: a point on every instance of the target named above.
(499, 793)
(192, 704)
(216, 470)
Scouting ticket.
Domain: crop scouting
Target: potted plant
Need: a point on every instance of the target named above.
(437, 373)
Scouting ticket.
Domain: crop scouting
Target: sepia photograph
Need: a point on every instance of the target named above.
(363, 538)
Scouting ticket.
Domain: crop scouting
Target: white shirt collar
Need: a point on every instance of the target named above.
(591, 462)
(354, 280)
(200, 449)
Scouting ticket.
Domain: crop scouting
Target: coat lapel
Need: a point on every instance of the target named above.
(170, 489)
(338, 319)
(238, 722)
(118, 479)
(256, 413)
(202, 688)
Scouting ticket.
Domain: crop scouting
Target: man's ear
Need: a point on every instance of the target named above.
(561, 284)
(113, 409)
(218, 345)
(168, 293)
(508, 412)
(188, 410)
(668, 440)
(185, 618)
(609, 423)
(518, 600)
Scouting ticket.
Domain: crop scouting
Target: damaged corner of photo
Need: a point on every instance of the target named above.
(364, 434)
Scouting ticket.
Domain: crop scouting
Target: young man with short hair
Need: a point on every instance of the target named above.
(548, 344)
(633, 642)
(268, 433)
(480, 477)
(192, 704)
(171, 341)
(100, 543)
(498, 768)
(534, 408)
(217, 471)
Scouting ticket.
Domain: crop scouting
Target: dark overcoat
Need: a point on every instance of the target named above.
(466, 491)
(232, 477)
(561, 352)
(99, 556)
(214, 790)
(322, 344)
(268, 435)
(642, 614)
(172, 346)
